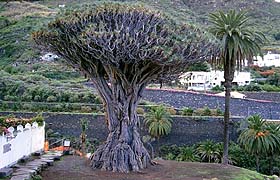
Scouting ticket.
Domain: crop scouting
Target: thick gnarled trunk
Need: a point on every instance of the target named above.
(123, 150)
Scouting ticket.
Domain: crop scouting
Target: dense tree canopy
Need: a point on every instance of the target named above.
(121, 48)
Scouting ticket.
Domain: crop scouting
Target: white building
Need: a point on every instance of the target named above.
(197, 80)
(268, 60)
(49, 57)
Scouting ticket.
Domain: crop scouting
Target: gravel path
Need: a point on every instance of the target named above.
(239, 107)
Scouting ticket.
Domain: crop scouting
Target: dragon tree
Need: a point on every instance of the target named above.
(122, 48)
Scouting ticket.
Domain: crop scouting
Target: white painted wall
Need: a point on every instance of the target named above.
(197, 80)
(23, 140)
(269, 59)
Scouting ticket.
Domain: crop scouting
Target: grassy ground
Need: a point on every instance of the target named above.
(74, 167)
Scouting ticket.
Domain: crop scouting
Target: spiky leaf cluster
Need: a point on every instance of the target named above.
(132, 41)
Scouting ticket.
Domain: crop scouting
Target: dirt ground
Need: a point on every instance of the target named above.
(77, 168)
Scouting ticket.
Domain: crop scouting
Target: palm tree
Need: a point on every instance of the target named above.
(159, 122)
(237, 43)
(259, 139)
(209, 151)
(187, 154)
(274, 130)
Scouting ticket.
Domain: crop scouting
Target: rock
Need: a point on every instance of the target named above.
(34, 167)
(24, 171)
(4, 172)
(24, 159)
(52, 156)
(49, 161)
(21, 177)
(38, 163)
(38, 153)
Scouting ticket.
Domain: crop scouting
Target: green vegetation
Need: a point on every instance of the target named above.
(257, 148)
(11, 121)
(260, 138)
(158, 121)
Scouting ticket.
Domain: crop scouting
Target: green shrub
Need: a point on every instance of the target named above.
(140, 110)
(51, 99)
(39, 119)
(26, 97)
(10, 98)
(74, 98)
(4, 106)
(187, 154)
(209, 151)
(206, 111)
(217, 112)
(86, 109)
(57, 108)
(37, 98)
(171, 111)
(217, 88)
(270, 88)
(198, 112)
(253, 87)
(187, 111)
(26, 106)
(98, 100)
(87, 98)
(240, 157)
(170, 156)
(165, 150)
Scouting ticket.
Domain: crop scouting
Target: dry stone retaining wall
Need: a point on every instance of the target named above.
(185, 130)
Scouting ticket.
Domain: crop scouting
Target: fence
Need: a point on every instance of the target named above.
(20, 142)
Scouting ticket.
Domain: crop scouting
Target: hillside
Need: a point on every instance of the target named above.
(19, 19)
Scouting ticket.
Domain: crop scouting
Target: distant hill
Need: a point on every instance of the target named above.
(19, 19)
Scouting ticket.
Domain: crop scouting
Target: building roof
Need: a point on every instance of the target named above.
(233, 94)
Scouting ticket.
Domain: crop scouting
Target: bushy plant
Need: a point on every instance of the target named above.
(253, 87)
(209, 151)
(270, 88)
(170, 156)
(171, 111)
(98, 100)
(198, 112)
(217, 112)
(206, 111)
(140, 110)
(188, 154)
(86, 109)
(51, 99)
(173, 149)
(217, 88)
(74, 98)
(187, 111)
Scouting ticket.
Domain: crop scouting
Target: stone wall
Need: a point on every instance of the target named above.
(185, 130)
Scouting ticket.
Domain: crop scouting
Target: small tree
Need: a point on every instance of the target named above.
(237, 43)
(259, 139)
(121, 49)
(209, 151)
(84, 127)
(159, 122)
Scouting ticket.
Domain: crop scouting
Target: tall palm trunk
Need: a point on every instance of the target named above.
(271, 160)
(228, 75)
(257, 163)
(226, 122)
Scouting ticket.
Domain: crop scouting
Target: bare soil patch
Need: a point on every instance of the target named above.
(77, 168)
